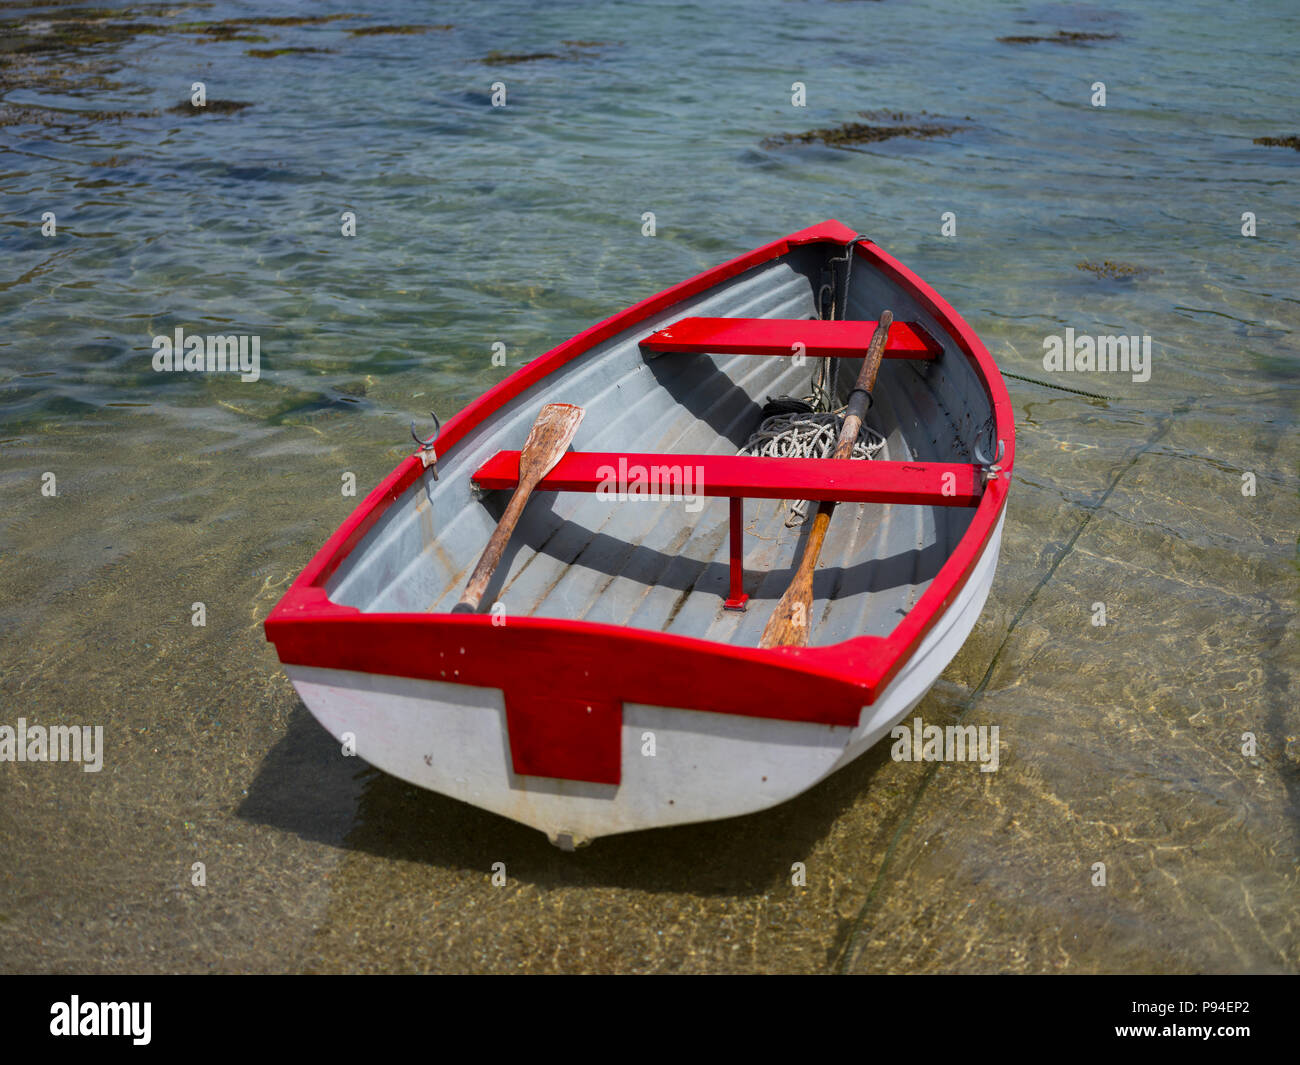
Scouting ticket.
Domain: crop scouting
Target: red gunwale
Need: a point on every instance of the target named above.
(827, 684)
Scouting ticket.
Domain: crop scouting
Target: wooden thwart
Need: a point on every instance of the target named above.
(788, 336)
(926, 484)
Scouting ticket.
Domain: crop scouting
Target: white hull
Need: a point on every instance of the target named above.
(452, 739)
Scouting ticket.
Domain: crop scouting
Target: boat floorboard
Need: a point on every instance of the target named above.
(664, 565)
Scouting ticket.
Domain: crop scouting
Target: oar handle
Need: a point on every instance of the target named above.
(496, 547)
(860, 398)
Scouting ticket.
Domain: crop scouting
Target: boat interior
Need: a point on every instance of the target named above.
(667, 565)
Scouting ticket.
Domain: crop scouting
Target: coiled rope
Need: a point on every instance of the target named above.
(807, 435)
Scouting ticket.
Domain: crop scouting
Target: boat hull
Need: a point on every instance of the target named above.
(679, 765)
(616, 691)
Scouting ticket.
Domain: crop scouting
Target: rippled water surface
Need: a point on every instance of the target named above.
(1122, 744)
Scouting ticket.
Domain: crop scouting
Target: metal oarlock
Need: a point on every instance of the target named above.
(426, 452)
(990, 467)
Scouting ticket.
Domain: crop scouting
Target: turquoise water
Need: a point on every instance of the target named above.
(522, 225)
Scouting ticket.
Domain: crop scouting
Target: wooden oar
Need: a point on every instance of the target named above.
(550, 435)
(789, 624)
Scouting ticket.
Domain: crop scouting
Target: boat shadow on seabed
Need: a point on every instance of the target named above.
(307, 787)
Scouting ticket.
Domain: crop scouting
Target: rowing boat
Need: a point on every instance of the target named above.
(616, 670)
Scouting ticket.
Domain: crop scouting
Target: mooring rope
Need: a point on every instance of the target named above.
(1058, 388)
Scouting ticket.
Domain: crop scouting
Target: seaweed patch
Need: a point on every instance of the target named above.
(1114, 271)
(232, 25)
(271, 53)
(1278, 142)
(296, 20)
(885, 125)
(495, 58)
(1062, 37)
(245, 38)
(212, 107)
(374, 31)
(15, 115)
(66, 34)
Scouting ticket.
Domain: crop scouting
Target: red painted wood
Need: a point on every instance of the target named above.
(827, 685)
(822, 685)
(931, 484)
(736, 597)
(563, 736)
(780, 336)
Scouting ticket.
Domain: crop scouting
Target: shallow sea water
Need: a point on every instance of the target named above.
(1120, 744)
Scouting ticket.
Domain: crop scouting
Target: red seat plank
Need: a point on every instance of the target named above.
(624, 475)
(779, 336)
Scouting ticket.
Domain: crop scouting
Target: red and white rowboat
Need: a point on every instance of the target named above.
(604, 685)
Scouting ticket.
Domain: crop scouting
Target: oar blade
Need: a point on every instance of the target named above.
(549, 438)
(789, 623)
